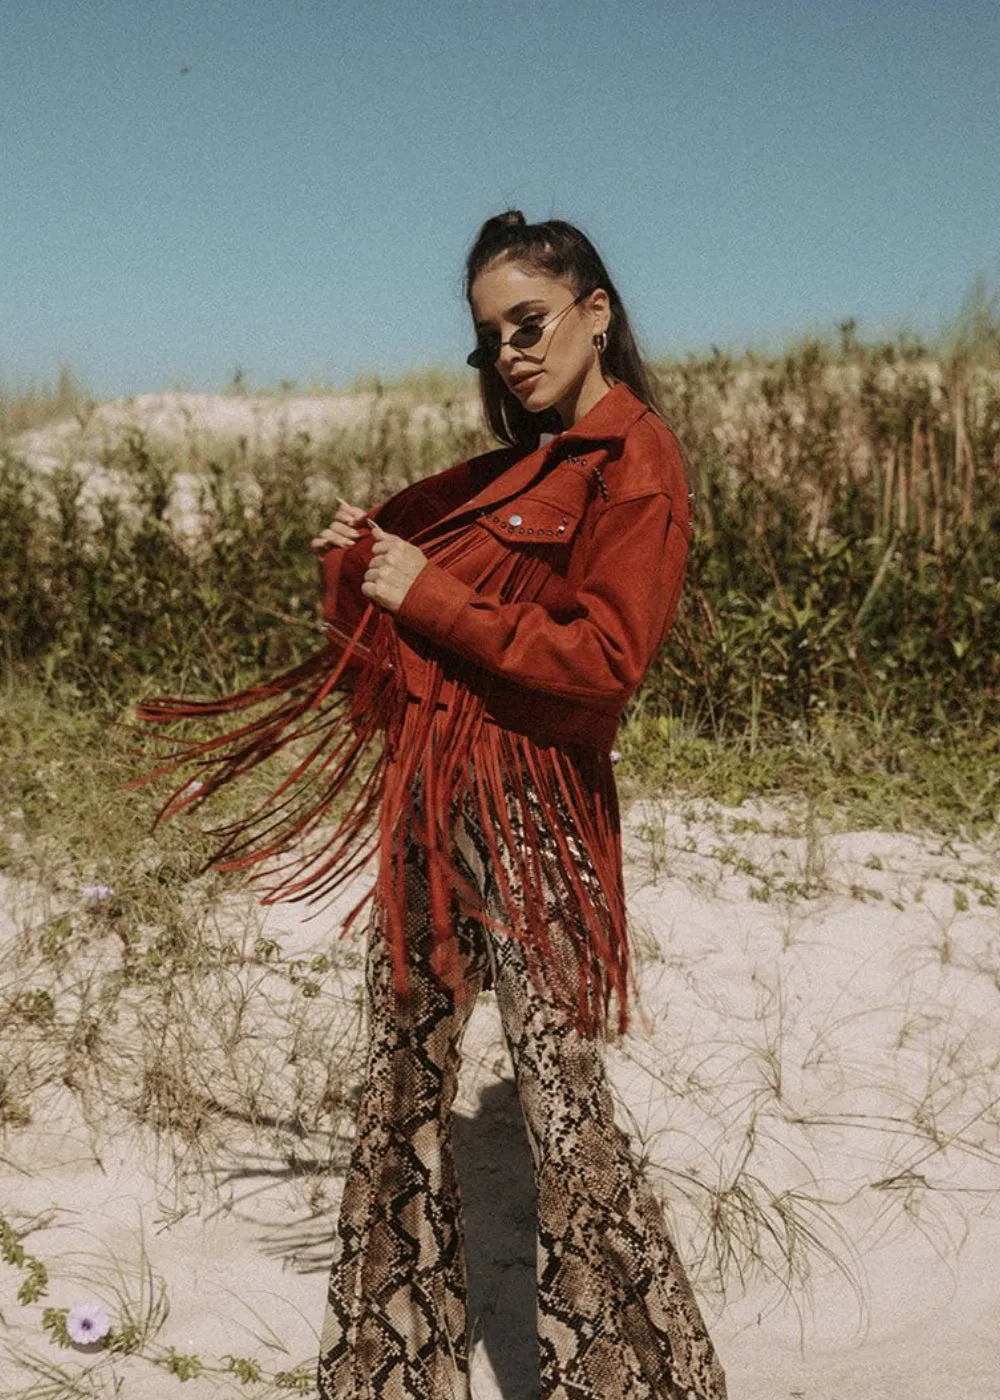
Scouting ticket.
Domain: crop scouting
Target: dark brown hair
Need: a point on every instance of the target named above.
(562, 251)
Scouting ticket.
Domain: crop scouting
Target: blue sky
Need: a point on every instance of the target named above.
(299, 202)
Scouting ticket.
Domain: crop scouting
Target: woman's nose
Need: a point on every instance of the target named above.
(507, 358)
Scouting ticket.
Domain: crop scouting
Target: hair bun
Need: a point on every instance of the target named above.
(499, 234)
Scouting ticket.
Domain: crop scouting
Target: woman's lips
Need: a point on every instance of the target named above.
(523, 385)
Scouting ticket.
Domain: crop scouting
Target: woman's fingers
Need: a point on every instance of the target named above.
(337, 535)
(342, 530)
(348, 513)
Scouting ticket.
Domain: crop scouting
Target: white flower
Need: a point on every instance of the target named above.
(87, 1323)
(96, 893)
(615, 756)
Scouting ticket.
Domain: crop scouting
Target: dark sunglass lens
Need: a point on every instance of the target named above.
(526, 336)
(485, 353)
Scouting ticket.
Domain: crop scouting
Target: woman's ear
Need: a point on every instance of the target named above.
(599, 305)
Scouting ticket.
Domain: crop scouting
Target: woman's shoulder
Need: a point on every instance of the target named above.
(651, 462)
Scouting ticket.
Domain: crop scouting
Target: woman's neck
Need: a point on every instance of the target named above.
(592, 389)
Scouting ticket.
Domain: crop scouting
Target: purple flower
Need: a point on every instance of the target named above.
(87, 1323)
(96, 894)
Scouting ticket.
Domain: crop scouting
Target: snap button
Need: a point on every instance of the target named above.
(515, 520)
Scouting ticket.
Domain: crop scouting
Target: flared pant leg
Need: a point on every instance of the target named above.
(617, 1317)
(395, 1326)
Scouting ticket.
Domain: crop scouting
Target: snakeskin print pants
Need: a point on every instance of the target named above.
(617, 1318)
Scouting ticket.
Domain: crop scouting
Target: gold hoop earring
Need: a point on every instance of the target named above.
(601, 341)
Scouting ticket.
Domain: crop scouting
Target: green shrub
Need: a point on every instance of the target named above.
(846, 553)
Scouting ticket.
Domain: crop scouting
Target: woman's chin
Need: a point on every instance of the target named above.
(537, 399)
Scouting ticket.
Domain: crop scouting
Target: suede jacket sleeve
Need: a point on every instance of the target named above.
(343, 569)
(628, 593)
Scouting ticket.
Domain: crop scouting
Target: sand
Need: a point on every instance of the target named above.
(818, 1033)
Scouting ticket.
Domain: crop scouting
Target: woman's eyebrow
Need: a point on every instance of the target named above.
(513, 312)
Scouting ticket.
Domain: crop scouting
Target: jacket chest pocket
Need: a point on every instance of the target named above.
(530, 520)
(549, 514)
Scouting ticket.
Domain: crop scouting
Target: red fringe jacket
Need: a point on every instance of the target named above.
(551, 580)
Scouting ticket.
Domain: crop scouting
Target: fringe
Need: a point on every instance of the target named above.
(401, 764)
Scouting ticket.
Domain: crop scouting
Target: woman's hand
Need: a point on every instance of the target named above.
(341, 531)
(394, 565)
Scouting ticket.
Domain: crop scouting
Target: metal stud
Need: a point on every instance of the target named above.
(515, 519)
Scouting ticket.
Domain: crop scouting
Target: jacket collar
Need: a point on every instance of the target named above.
(610, 418)
(608, 421)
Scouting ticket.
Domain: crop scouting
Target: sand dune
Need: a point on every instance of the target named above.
(195, 420)
(816, 1052)
(191, 430)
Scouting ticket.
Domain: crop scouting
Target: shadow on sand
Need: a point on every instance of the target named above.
(498, 1200)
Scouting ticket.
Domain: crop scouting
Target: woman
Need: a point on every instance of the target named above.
(486, 627)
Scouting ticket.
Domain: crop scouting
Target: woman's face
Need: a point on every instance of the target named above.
(563, 369)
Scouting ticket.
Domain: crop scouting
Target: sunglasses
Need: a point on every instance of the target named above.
(529, 333)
